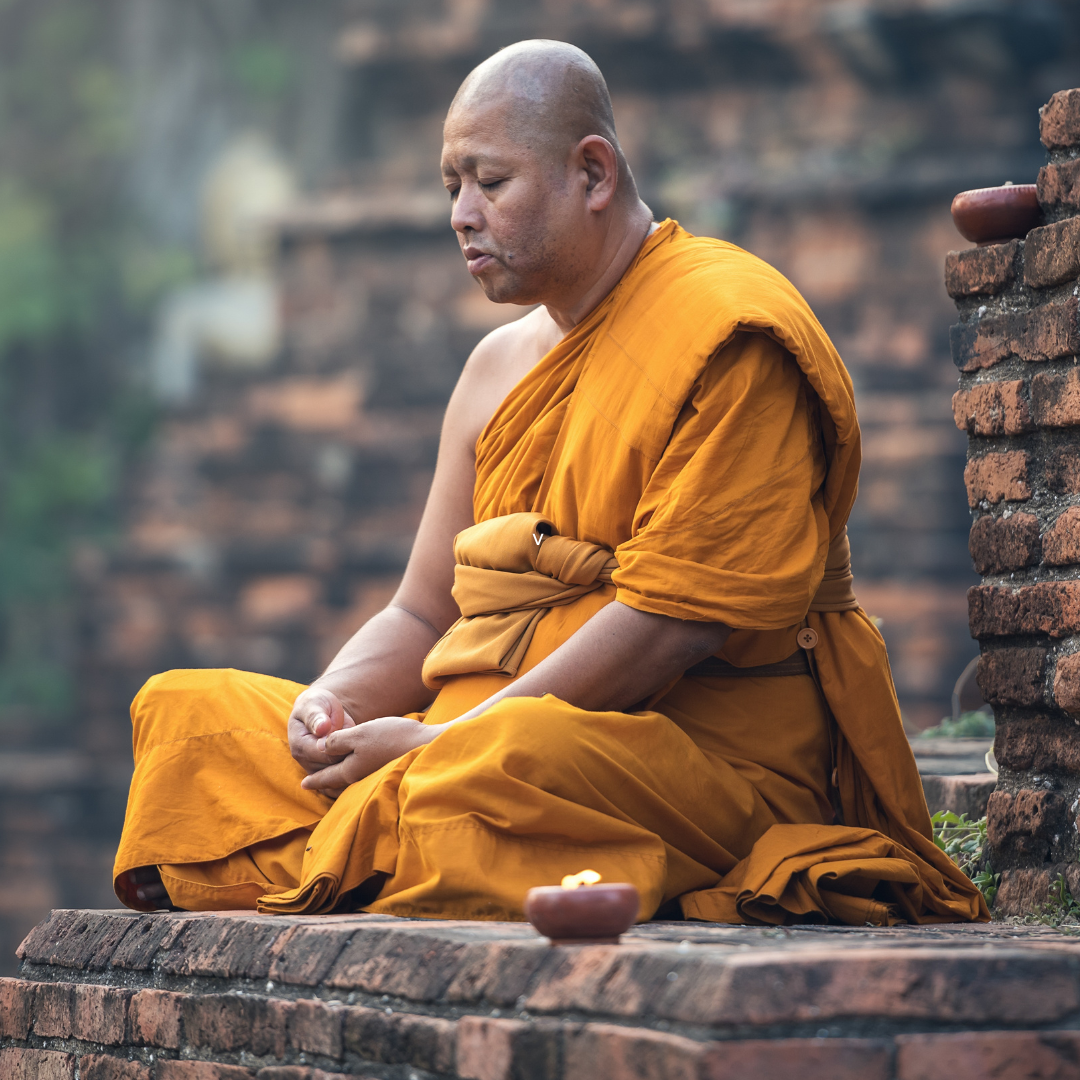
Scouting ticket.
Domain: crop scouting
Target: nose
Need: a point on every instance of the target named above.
(467, 211)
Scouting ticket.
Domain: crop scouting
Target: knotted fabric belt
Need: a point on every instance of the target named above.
(510, 570)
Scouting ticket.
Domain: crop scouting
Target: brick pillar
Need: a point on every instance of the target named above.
(1016, 347)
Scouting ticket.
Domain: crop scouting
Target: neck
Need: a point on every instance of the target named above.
(621, 242)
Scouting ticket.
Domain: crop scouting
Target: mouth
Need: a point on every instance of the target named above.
(477, 260)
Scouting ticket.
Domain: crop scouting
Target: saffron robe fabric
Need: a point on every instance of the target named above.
(699, 425)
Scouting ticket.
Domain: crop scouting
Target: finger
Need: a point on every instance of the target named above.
(334, 778)
(330, 716)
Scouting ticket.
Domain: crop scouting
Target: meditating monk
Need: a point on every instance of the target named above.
(627, 637)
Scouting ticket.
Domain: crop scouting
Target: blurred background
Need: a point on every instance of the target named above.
(232, 309)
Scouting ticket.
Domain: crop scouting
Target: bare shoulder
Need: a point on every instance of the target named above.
(499, 361)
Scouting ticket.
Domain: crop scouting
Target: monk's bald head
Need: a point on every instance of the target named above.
(548, 96)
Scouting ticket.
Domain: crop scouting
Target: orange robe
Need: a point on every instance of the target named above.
(699, 425)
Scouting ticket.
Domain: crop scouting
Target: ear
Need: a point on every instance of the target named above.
(598, 161)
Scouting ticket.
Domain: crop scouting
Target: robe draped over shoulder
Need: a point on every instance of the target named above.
(696, 436)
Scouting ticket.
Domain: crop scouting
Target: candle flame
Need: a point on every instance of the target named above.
(586, 877)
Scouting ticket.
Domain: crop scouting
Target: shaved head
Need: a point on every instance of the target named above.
(541, 195)
(550, 94)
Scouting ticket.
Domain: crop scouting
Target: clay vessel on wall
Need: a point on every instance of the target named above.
(592, 913)
(995, 214)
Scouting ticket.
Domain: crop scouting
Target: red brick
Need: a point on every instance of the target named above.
(1026, 890)
(1058, 186)
(237, 948)
(16, 1007)
(200, 1070)
(1023, 828)
(1012, 676)
(18, 1064)
(981, 271)
(104, 1067)
(1061, 544)
(404, 964)
(299, 1072)
(1055, 399)
(495, 1049)
(304, 954)
(808, 1059)
(1045, 333)
(316, 1027)
(154, 1018)
(597, 1051)
(989, 1055)
(76, 939)
(426, 1042)
(54, 1004)
(1005, 543)
(997, 476)
(100, 1014)
(1059, 120)
(1067, 685)
(1051, 608)
(1062, 471)
(1052, 254)
(219, 1021)
(1038, 744)
(142, 942)
(997, 408)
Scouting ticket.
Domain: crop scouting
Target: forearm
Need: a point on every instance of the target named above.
(377, 671)
(617, 659)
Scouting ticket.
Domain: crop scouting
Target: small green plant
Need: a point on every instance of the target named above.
(964, 841)
(969, 725)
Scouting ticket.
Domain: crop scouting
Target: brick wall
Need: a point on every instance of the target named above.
(1019, 402)
(119, 996)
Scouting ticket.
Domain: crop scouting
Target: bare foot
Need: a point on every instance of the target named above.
(146, 881)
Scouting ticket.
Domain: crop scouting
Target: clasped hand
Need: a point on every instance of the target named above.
(335, 751)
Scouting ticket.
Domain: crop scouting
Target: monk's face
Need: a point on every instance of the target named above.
(518, 208)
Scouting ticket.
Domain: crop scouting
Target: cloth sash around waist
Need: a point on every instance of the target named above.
(510, 570)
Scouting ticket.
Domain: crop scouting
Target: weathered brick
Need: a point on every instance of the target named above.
(1051, 608)
(395, 1038)
(808, 1059)
(299, 1072)
(231, 1022)
(1059, 120)
(200, 1070)
(998, 408)
(1038, 744)
(304, 954)
(141, 943)
(496, 1049)
(1023, 828)
(316, 1027)
(988, 1055)
(100, 1014)
(982, 270)
(1067, 683)
(1058, 186)
(404, 964)
(16, 1007)
(105, 1067)
(997, 476)
(608, 1050)
(54, 1004)
(1012, 676)
(1055, 399)
(154, 1018)
(76, 939)
(497, 972)
(1062, 471)
(1005, 543)
(1052, 254)
(1061, 544)
(236, 948)
(1046, 333)
(19, 1064)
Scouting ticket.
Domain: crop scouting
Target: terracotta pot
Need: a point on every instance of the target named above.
(588, 914)
(995, 214)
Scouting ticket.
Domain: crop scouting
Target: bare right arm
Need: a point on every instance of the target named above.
(377, 672)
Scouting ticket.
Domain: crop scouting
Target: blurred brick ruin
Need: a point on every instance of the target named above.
(274, 511)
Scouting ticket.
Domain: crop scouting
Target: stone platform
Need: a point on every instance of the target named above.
(114, 995)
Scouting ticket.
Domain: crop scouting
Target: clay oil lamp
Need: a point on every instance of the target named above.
(995, 215)
(581, 911)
